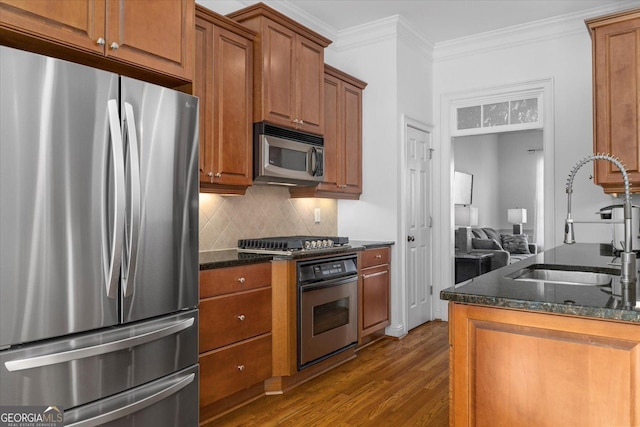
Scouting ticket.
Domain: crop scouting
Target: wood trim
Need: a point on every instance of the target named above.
(339, 74)
(284, 327)
(262, 10)
(224, 22)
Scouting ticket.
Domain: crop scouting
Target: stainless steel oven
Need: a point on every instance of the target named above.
(327, 307)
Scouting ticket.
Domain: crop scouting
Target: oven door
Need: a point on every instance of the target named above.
(289, 161)
(328, 319)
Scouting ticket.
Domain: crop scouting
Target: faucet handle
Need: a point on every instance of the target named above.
(569, 236)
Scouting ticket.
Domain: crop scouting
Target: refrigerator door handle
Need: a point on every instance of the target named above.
(96, 350)
(174, 387)
(132, 233)
(112, 257)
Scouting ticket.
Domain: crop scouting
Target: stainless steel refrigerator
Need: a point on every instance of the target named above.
(98, 244)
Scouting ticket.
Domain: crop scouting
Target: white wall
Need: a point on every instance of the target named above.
(398, 71)
(564, 57)
(517, 186)
(478, 155)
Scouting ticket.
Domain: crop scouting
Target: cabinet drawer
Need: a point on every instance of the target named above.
(234, 368)
(222, 281)
(377, 256)
(232, 318)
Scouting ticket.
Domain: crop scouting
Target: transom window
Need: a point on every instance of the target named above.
(504, 114)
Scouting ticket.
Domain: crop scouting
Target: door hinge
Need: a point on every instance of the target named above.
(431, 150)
(431, 290)
(430, 222)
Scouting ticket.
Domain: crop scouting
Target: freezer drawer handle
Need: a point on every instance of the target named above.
(137, 406)
(81, 353)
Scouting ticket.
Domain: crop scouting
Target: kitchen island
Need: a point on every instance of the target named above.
(544, 353)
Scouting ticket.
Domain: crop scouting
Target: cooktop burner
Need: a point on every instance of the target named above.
(290, 244)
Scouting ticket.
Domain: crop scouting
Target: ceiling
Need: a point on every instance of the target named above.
(438, 20)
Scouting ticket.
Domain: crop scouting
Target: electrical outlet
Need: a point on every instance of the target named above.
(316, 214)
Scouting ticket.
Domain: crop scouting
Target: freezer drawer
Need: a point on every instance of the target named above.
(170, 401)
(86, 367)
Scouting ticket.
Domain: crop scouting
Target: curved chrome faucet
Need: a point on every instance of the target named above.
(627, 257)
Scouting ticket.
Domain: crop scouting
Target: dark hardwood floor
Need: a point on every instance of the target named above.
(392, 382)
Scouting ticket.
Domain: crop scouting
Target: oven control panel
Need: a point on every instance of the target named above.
(325, 269)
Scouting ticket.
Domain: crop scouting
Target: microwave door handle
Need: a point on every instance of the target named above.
(314, 161)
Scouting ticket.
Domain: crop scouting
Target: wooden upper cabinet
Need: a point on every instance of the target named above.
(158, 36)
(288, 70)
(154, 38)
(342, 138)
(616, 88)
(223, 82)
(79, 24)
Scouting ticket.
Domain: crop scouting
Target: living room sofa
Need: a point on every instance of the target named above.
(506, 248)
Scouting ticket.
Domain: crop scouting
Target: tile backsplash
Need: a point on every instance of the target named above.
(264, 211)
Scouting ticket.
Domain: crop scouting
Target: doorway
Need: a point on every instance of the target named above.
(444, 171)
(419, 299)
(507, 171)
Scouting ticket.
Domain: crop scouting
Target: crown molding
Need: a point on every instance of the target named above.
(518, 35)
(288, 8)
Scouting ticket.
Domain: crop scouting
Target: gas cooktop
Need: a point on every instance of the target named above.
(290, 244)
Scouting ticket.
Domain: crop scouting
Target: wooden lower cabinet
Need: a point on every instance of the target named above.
(235, 340)
(234, 368)
(374, 312)
(512, 367)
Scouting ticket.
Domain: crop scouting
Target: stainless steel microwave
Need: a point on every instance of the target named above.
(285, 156)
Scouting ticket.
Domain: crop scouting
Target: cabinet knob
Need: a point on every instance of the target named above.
(378, 256)
(210, 174)
(101, 42)
(241, 280)
(240, 368)
(241, 318)
(114, 46)
(218, 175)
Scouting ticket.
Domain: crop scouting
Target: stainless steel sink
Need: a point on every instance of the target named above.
(573, 276)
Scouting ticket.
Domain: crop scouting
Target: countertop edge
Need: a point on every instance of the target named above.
(543, 307)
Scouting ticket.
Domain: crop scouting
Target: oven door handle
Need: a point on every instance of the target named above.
(328, 283)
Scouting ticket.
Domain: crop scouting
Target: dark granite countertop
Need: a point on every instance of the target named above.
(231, 257)
(496, 290)
(370, 244)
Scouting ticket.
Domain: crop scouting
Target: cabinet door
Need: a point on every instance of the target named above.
(309, 90)
(508, 366)
(78, 24)
(232, 109)
(332, 133)
(617, 100)
(159, 38)
(375, 298)
(278, 82)
(351, 143)
(203, 89)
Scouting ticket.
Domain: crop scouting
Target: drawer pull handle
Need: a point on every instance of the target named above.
(241, 368)
(241, 318)
(378, 256)
(241, 280)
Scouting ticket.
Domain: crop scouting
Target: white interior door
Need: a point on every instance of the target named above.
(419, 298)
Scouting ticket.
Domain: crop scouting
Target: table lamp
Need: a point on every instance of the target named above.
(517, 216)
(465, 217)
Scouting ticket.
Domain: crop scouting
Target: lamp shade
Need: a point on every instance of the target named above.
(466, 215)
(517, 216)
